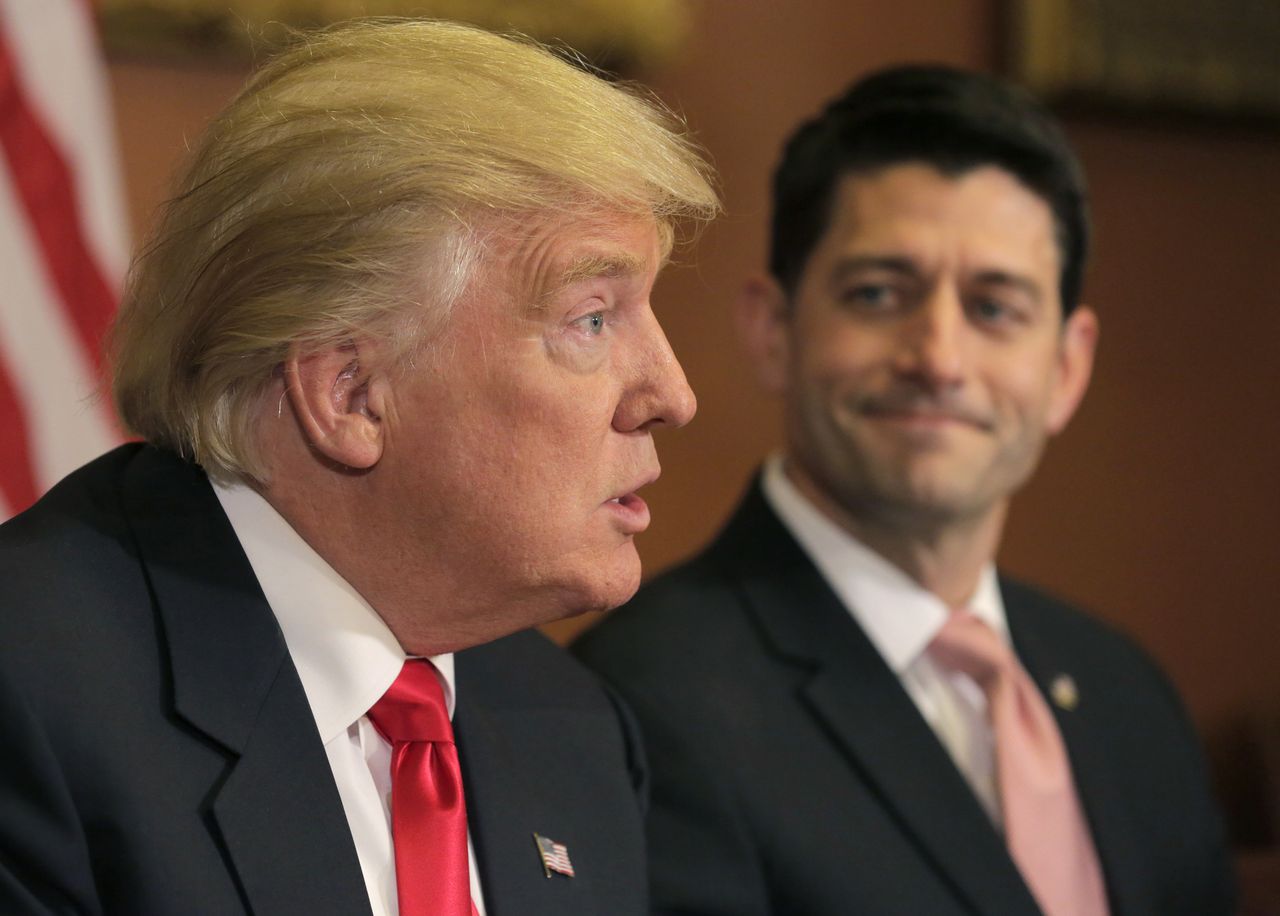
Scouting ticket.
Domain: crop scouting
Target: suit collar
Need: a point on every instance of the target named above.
(345, 655)
(277, 810)
(224, 645)
(897, 614)
(862, 704)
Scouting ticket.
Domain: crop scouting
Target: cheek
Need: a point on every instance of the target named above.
(838, 364)
(1024, 391)
(553, 447)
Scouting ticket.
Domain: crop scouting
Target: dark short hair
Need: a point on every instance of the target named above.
(950, 119)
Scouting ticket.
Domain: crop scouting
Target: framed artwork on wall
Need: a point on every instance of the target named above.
(1219, 57)
(619, 36)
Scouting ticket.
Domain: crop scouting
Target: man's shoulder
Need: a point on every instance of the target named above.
(689, 622)
(74, 539)
(81, 528)
(85, 497)
(687, 597)
(1047, 626)
(1037, 613)
(668, 597)
(75, 584)
(92, 502)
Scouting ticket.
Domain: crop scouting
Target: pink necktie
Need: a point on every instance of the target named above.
(428, 811)
(1044, 825)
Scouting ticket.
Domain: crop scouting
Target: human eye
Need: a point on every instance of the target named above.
(870, 297)
(998, 312)
(988, 309)
(592, 324)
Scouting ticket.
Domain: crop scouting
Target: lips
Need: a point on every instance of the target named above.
(630, 511)
(923, 418)
(923, 414)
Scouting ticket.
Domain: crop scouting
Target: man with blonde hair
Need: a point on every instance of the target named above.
(393, 356)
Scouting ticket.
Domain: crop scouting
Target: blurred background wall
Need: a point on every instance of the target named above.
(1156, 508)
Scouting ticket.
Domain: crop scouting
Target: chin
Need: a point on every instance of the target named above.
(607, 588)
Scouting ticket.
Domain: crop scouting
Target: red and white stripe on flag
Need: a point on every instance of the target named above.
(63, 244)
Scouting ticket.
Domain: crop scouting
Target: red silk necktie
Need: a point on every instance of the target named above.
(1044, 825)
(428, 811)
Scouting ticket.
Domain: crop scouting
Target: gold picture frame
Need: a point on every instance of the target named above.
(1201, 56)
(620, 36)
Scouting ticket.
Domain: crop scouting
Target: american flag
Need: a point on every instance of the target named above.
(555, 856)
(63, 244)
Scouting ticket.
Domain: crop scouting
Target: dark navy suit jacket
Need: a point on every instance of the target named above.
(792, 774)
(157, 753)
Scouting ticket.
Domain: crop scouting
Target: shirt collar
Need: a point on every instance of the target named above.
(899, 616)
(345, 655)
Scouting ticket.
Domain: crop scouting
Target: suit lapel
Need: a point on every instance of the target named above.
(277, 810)
(861, 703)
(507, 803)
(499, 806)
(1050, 663)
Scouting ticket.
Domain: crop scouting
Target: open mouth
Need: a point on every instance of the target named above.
(631, 512)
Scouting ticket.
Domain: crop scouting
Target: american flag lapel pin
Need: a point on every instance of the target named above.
(554, 856)
(1064, 692)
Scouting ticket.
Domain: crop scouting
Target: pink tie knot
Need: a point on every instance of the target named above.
(967, 644)
(413, 708)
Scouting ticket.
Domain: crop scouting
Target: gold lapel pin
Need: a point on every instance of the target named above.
(1064, 692)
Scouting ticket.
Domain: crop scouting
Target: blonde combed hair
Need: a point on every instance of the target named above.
(343, 186)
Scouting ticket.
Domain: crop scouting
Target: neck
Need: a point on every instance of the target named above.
(943, 554)
(340, 515)
(427, 612)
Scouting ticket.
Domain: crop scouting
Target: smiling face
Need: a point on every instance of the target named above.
(515, 446)
(923, 355)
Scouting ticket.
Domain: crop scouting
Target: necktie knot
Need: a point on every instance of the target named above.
(413, 708)
(428, 806)
(967, 644)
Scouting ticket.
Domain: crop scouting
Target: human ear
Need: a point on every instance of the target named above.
(337, 402)
(1078, 341)
(760, 316)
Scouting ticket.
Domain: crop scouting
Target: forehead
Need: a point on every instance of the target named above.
(535, 257)
(984, 210)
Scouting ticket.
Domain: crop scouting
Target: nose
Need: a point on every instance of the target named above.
(931, 350)
(658, 394)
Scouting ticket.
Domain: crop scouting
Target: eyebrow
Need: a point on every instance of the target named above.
(1017, 281)
(591, 267)
(890, 263)
(908, 268)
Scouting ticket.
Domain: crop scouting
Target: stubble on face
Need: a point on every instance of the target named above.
(923, 341)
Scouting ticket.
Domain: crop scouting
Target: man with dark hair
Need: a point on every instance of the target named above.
(846, 708)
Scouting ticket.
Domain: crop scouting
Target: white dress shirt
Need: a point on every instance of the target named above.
(901, 618)
(346, 659)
